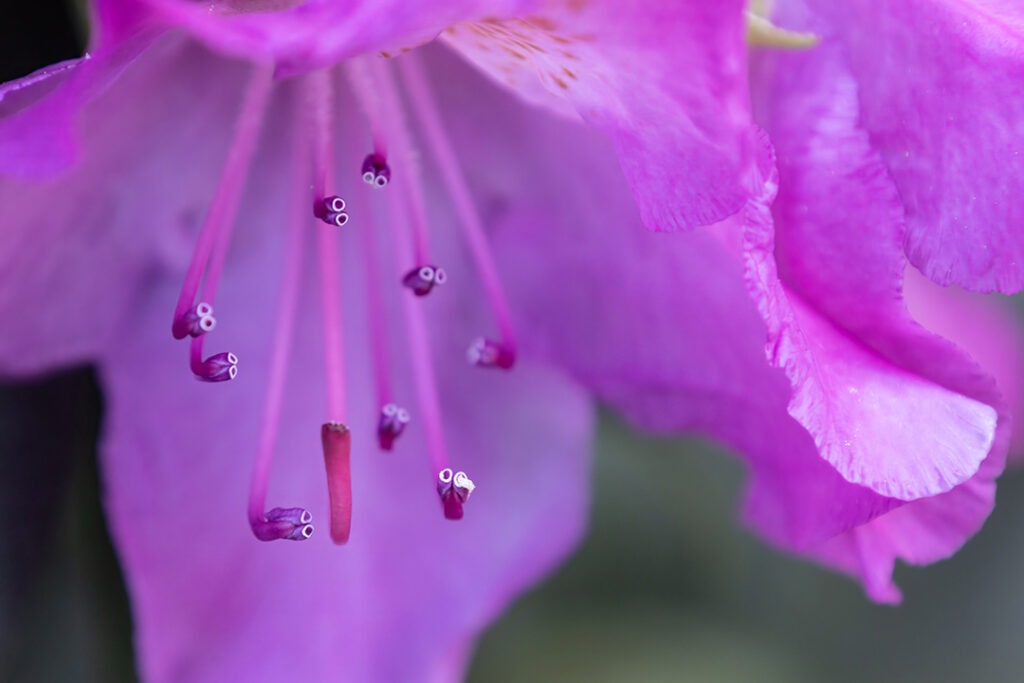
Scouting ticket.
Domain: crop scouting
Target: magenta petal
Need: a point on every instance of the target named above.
(860, 365)
(300, 36)
(676, 344)
(880, 425)
(940, 90)
(839, 226)
(666, 81)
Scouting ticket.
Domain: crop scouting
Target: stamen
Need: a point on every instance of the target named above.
(423, 279)
(282, 523)
(490, 354)
(392, 116)
(291, 524)
(454, 490)
(331, 210)
(427, 395)
(376, 172)
(469, 219)
(359, 77)
(220, 216)
(393, 419)
(337, 444)
(196, 322)
(391, 424)
(220, 367)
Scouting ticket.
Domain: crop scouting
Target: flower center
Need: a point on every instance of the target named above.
(377, 92)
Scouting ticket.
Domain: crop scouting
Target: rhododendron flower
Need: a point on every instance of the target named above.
(348, 229)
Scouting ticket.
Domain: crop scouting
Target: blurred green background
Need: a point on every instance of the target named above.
(667, 587)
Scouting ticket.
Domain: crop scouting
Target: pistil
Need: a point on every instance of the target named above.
(395, 125)
(336, 441)
(334, 434)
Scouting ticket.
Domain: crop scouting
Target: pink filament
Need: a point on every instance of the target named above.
(407, 169)
(320, 101)
(220, 216)
(281, 344)
(357, 71)
(375, 308)
(451, 173)
(427, 395)
(195, 355)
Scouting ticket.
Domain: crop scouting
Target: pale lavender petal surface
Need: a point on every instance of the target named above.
(941, 86)
(212, 603)
(74, 240)
(665, 81)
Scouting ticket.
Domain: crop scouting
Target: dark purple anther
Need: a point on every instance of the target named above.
(490, 354)
(219, 367)
(376, 171)
(292, 524)
(454, 490)
(331, 210)
(422, 280)
(197, 321)
(391, 425)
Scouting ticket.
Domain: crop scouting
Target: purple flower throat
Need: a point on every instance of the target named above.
(376, 92)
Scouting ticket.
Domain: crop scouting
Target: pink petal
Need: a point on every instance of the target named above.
(667, 83)
(940, 88)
